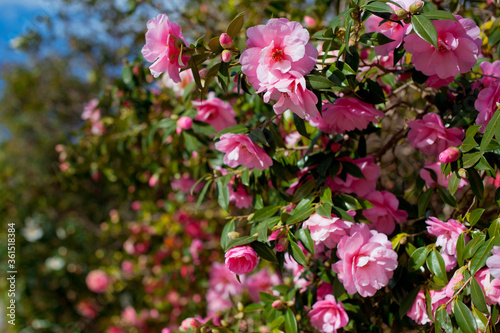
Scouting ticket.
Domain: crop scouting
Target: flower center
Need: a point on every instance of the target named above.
(277, 55)
(442, 46)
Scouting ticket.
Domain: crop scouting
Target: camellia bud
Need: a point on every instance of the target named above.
(462, 173)
(225, 41)
(449, 155)
(278, 304)
(184, 123)
(281, 244)
(401, 14)
(416, 7)
(226, 55)
(233, 234)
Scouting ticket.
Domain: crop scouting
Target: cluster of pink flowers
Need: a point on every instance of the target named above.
(489, 96)
(278, 57)
(93, 115)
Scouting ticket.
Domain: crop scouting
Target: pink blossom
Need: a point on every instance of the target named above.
(489, 68)
(127, 267)
(178, 87)
(450, 261)
(431, 137)
(454, 284)
(184, 123)
(435, 81)
(327, 231)
(291, 93)
(195, 249)
(491, 288)
(345, 114)
(97, 281)
(391, 29)
(324, 289)
(418, 311)
(241, 259)
(91, 112)
(114, 329)
(360, 186)
(129, 316)
(458, 48)
(276, 51)
(222, 284)
(280, 236)
(486, 104)
(241, 150)
(189, 323)
(87, 309)
(263, 280)
(493, 262)
(449, 155)
(226, 56)
(367, 261)
(447, 233)
(216, 112)
(225, 41)
(185, 183)
(328, 315)
(216, 303)
(163, 47)
(439, 298)
(136, 205)
(153, 180)
(385, 213)
(240, 197)
(309, 21)
(442, 180)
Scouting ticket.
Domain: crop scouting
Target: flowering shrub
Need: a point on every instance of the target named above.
(322, 180)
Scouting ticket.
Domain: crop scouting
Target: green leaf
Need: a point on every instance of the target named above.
(253, 307)
(237, 129)
(297, 253)
(472, 130)
(425, 29)
(447, 197)
(300, 214)
(436, 265)
(378, 7)
(338, 20)
(439, 15)
(290, 321)
(235, 26)
(491, 129)
(324, 210)
(474, 216)
(214, 45)
(203, 128)
(300, 125)
(319, 82)
(494, 229)
(479, 259)
(460, 249)
(477, 295)
(277, 322)
(423, 201)
(265, 213)
(223, 190)
(305, 238)
(326, 195)
(468, 144)
(353, 169)
(191, 142)
(418, 258)
(443, 321)
(349, 201)
(481, 320)
(338, 289)
(303, 191)
(476, 183)
(224, 239)
(264, 251)
(203, 193)
(474, 245)
(374, 39)
(407, 303)
(266, 298)
(470, 159)
(371, 92)
(258, 136)
(453, 182)
(244, 240)
(464, 317)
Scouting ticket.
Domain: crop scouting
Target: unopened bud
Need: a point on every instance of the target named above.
(239, 316)
(449, 155)
(416, 7)
(401, 14)
(203, 73)
(282, 244)
(278, 304)
(462, 173)
(240, 307)
(226, 56)
(225, 41)
(233, 235)
(290, 304)
(224, 323)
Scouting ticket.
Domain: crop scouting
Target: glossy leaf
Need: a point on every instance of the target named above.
(235, 26)
(477, 295)
(425, 29)
(436, 265)
(464, 317)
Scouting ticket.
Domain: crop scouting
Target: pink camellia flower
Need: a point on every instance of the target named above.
(276, 51)
(486, 104)
(447, 233)
(418, 311)
(449, 155)
(309, 21)
(385, 213)
(127, 267)
(240, 197)
(491, 288)
(345, 114)
(431, 137)
(492, 69)
(241, 259)
(327, 231)
(454, 284)
(241, 150)
(393, 30)
(323, 290)
(225, 41)
(442, 180)
(129, 316)
(216, 112)
(178, 87)
(280, 236)
(458, 48)
(263, 281)
(217, 303)
(291, 93)
(328, 315)
(87, 309)
(189, 323)
(360, 186)
(450, 261)
(163, 46)
(223, 282)
(435, 81)
(367, 261)
(493, 262)
(438, 298)
(97, 281)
